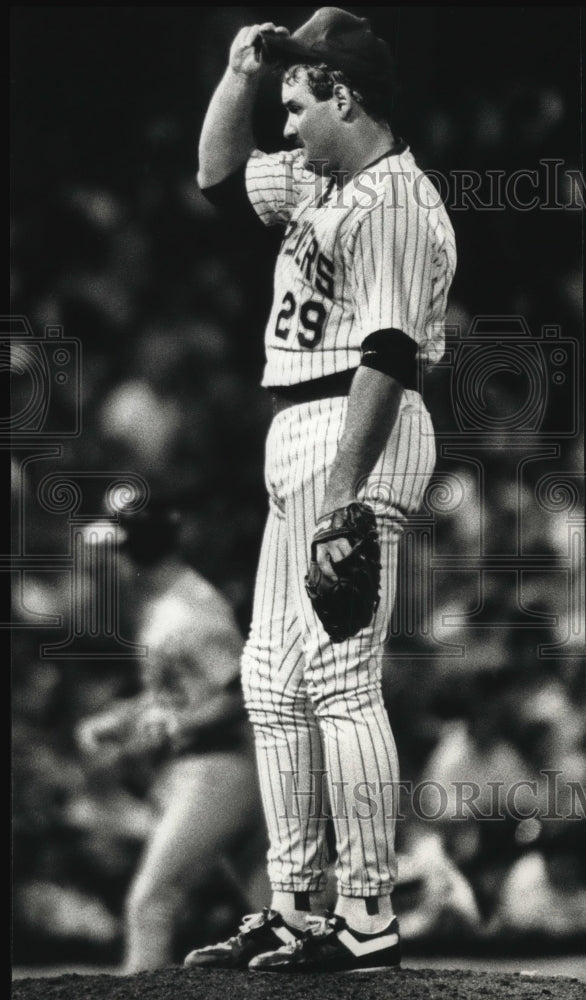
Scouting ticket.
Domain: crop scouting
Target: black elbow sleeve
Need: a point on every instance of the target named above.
(393, 353)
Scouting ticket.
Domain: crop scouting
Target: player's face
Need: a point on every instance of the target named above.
(313, 125)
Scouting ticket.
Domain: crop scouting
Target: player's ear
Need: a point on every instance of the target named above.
(343, 101)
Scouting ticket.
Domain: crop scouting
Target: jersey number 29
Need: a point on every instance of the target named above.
(312, 316)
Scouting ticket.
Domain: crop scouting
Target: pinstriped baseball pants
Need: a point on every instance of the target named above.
(324, 745)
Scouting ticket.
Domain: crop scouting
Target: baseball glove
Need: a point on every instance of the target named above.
(347, 605)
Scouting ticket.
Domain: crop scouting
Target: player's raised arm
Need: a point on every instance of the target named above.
(226, 138)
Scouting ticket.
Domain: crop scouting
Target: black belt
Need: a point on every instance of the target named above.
(283, 396)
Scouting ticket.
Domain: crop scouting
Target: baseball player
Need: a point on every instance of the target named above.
(361, 280)
(189, 720)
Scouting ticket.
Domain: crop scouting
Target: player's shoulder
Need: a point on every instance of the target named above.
(425, 195)
(280, 179)
(262, 165)
(396, 194)
(289, 157)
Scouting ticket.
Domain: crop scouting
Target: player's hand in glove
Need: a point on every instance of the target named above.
(245, 53)
(345, 591)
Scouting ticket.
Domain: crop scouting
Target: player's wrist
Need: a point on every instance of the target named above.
(333, 501)
(245, 79)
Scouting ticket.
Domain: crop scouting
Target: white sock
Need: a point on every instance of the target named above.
(355, 911)
(295, 907)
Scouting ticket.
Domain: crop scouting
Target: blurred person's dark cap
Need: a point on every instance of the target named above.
(149, 535)
(338, 39)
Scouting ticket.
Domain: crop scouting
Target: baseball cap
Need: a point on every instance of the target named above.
(149, 535)
(337, 38)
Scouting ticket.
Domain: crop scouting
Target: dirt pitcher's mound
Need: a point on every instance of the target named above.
(406, 984)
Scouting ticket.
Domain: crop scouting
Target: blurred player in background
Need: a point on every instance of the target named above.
(360, 293)
(189, 718)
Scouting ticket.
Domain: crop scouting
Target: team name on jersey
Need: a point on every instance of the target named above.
(300, 243)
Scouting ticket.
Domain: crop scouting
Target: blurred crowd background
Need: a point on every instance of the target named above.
(112, 240)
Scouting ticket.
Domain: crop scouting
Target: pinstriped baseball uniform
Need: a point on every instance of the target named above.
(374, 254)
(378, 253)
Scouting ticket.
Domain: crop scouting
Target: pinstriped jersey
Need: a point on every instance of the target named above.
(359, 254)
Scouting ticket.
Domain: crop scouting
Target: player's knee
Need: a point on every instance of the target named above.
(330, 703)
(252, 676)
(248, 690)
(271, 695)
(281, 711)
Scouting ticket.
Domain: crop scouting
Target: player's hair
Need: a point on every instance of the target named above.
(375, 99)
